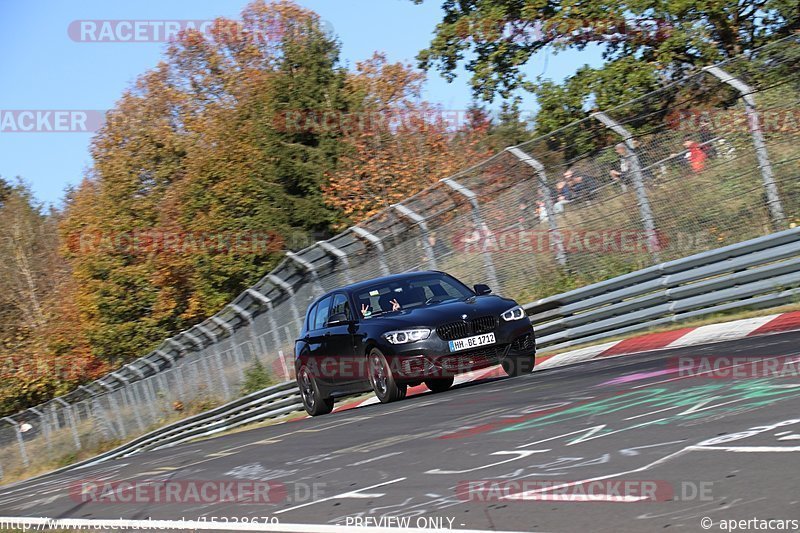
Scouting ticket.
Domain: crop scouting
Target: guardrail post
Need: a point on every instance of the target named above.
(544, 190)
(375, 241)
(340, 256)
(754, 122)
(20, 441)
(477, 219)
(419, 220)
(234, 347)
(218, 356)
(638, 182)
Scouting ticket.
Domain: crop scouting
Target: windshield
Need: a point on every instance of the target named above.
(389, 297)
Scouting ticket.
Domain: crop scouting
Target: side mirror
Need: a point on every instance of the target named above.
(481, 289)
(338, 319)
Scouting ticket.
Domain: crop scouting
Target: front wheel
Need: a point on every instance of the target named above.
(381, 378)
(439, 385)
(313, 401)
(518, 366)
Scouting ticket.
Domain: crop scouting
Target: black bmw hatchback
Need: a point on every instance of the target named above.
(390, 333)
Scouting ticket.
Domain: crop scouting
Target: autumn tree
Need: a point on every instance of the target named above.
(645, 46)
(42, 347)
(196, 184)
(395, 144)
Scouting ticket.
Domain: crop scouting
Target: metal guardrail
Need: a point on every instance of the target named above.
(762, 272)
(272, 402)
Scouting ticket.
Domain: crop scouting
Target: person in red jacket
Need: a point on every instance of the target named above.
(695, 155)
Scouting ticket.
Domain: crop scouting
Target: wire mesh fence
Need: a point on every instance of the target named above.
(704, 162)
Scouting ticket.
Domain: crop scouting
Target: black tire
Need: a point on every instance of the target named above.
(518, 366)
(313, 402)
(440, 385)
(381, 378)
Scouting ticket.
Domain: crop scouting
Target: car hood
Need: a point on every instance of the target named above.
(441, 313)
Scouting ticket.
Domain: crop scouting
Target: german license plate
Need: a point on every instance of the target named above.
(471, 342)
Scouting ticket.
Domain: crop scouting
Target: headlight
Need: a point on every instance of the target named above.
(515, 313)
(407, 335)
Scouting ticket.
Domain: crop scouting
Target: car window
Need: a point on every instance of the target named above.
(341, 305)
(323, 308)
(310, 318)
(437, 287)
(409, 294)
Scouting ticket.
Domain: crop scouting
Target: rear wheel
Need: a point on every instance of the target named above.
(381, 378)
(440, 385)
(313, 401)
(518, 366)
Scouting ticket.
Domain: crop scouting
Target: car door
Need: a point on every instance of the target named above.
(315, 337)
(339, 341)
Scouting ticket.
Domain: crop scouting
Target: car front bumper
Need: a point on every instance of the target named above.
(432, 358)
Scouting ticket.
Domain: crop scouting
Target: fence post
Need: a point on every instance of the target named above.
(308, 267)
(123, 432)
(340, 256)
(419, 220)
(73, 423)
(479, 224)
(375, 241)
(147, 388)
(285, 287)
(638, 182)
(131, 393)
(43, 424)
(201, 358)
(157, 374)
(544, 188)
(213, 337)
(173, 369)
(234, 347)
(20, 441)
(754, 122)
(273, 325)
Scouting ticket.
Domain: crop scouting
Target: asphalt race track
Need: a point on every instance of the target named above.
(726, 448)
